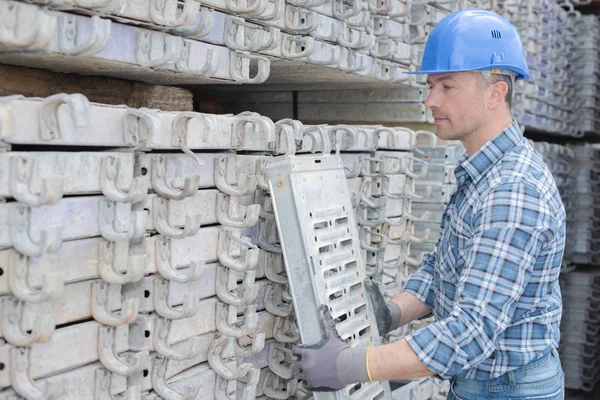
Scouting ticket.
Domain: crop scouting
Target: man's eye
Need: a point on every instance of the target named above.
(448, 87)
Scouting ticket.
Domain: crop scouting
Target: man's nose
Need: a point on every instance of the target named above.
(433, 99)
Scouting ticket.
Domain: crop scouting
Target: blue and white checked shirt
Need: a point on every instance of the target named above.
(492, 281)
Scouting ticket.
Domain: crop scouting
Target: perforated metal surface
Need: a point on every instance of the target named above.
(322, 254)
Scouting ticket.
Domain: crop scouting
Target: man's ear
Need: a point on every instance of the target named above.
(498, 95)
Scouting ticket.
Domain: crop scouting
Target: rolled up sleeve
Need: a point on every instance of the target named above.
(510, 227)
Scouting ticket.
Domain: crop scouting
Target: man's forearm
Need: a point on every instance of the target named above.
(412, 308)
(395, 361)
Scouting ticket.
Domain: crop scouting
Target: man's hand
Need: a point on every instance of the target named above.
(331, 364)
(388, 316)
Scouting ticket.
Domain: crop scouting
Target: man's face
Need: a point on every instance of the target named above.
(457, 104)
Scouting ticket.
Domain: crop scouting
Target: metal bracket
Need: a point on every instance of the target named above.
(139, 126)
(267, 236)
(67, 35)
(224, 390)
(166, 268)
(291, 133)
(285, 330)
(25, 35)
(341, 10)
(227, 321)
(276, 13)
(79, 107)
(371, 202)
(162, 288)
(249, 253)
(49, 241)
(201, 27)
(100, 311)
(160, 386)
(190, 348)
(246, 123)
(242, 296)
(109, 357)
(155, 49)
(271, 272)
(237, 64)
(21, 171)
(407, 237)
(160, 13)
(365, 163)
(280, 355)
(320, 139)
(348, 36)
(231, 214)
(258, 344)
(297, 46)
(113, 255)
(102, 383)
(211, 63)
(241, 35)
(13, 316)
(343, 137)
(109, 174)
(351, 59)
(262, 179)
(20, 378)
(245, 184)
(160, 217)
(272, 387)
(274, 301)
(363, 220)
(226, 368)
(118, 222)
(161, 186)
(367, 245)
(300, 20)
(18, 282)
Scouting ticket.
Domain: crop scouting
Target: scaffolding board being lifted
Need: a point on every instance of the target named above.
(322, 254)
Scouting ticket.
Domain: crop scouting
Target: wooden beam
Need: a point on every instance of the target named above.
(31, 82)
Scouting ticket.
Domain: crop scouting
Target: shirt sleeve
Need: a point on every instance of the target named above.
(509, 230)
(420, 282)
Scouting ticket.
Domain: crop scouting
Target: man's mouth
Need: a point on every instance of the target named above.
(438, 119)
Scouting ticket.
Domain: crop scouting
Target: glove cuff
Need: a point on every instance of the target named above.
(352, 366)
(395, 314)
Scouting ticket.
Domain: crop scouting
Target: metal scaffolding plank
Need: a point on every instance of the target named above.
(322, 254)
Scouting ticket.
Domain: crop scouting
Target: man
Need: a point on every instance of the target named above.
(492, 282)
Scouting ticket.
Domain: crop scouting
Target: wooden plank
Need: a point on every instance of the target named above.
(31, 82)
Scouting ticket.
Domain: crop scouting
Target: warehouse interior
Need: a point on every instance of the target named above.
(140, 252)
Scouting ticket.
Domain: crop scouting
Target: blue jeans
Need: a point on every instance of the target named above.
(541, 379)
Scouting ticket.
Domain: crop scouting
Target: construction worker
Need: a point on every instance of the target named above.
(492, 281)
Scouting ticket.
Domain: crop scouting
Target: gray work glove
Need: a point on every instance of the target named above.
(388, 315)
(331, 364)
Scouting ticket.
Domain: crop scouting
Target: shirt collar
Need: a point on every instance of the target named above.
(479, 163)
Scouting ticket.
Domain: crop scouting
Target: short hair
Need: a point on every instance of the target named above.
(485, 83)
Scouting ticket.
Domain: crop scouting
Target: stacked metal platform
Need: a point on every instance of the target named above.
(580, 327)
(222, 41)
(583, 236)
(561, 159)
(548, 31)
(126, 270)
(586, 70)
(151, 264)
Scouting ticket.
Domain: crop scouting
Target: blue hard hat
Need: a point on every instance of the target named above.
(474, 40)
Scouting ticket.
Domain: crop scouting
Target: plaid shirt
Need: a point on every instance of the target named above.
(492, 281)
